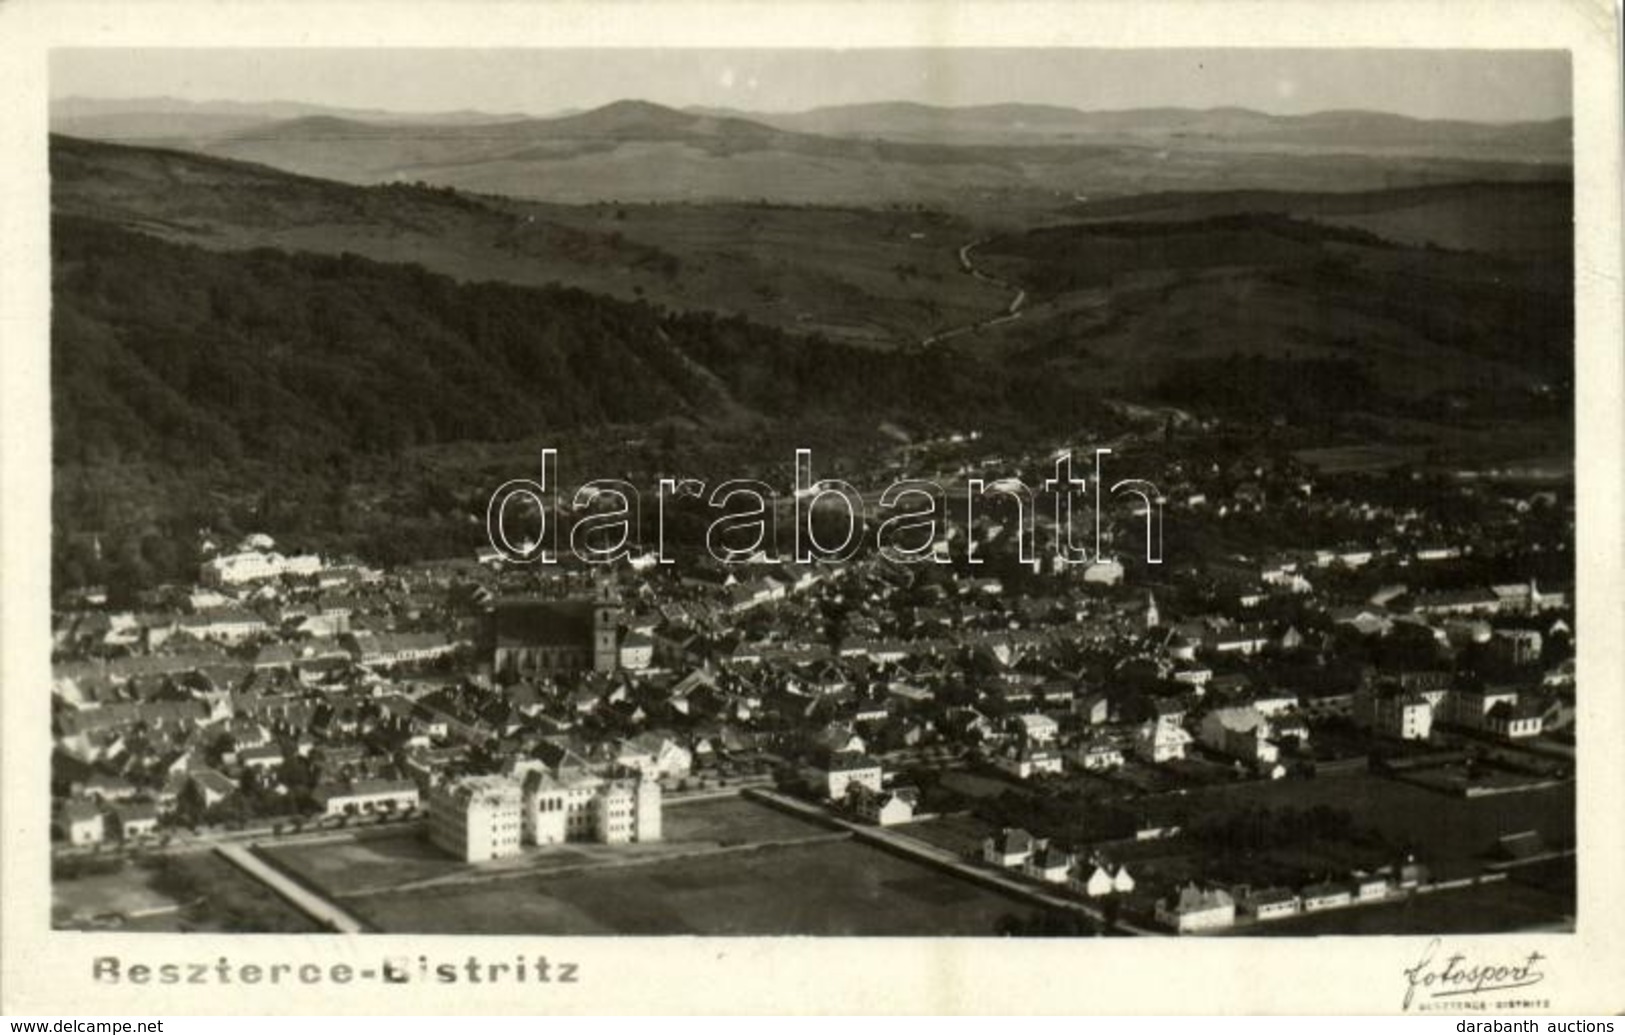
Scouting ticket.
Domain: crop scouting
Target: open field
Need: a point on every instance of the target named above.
(733, 821)
(1452, 835)
(961, 834)
(372, 865)
(830, 888)
(349, 866)
(211, 896)
(128, 892)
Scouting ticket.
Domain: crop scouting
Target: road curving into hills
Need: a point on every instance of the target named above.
(1010, 312)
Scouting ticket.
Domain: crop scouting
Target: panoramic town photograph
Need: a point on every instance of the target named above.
(910, 492)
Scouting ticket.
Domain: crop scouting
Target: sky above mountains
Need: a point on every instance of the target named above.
(1495, 86)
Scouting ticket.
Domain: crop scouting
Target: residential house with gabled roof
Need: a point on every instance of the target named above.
(1194, 908)
(82, 823)
(1009, 848)
(1024, 760)
(656, 756)
(1516, 720)
(834, 773)
(1098, 756)
(135, 819)
(883, 808)
(1326, 895)
(1158, 742)
(211, 785)
(1050, 863)
(1241, 733)
(1268, 903)
(1097, 878)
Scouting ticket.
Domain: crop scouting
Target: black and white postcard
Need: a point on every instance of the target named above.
(600, 509)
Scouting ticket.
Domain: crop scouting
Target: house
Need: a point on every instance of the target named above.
(1394, 712)
(1244, 639)
(1470, 706)
(1009, 848)
(656, 756)
(362, 797)
(1157, 742)
(1098, 756)
(1273, 702)
(398, 648)
(1051, 864)
(883, 808)
(1326, 895)
(1269, 903)
(1024, 761)
(1516, 720)
(1240, 732)
(106, 788)
(1370, 887)
(263, 758)
(230, 625)
(1034, 728)
(1094, 709)
(82, 823)
(1104, 879)
(637, 651)
(837, 771)
(255, 565)
(1517, 646)
(211, 785)
(1197, 909)
(1104, 573)
(135, 819)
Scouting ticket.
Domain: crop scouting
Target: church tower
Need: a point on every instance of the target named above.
(1152, 618)
(606, 625)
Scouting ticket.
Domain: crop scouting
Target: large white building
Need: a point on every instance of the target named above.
(590, 808)
(477, 818)
(253, 565)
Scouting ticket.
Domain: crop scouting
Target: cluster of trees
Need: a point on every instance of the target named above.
(1259, 386)
(168, 352)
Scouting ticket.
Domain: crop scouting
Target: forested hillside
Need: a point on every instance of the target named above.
(170, 353)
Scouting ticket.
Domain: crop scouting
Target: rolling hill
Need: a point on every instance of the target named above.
(983, 160)
(169, 353)
(855, 275)
(1547, 141)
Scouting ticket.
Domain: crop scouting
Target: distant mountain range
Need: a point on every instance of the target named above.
(998, 155)
(1042, 123)
(141, 118)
